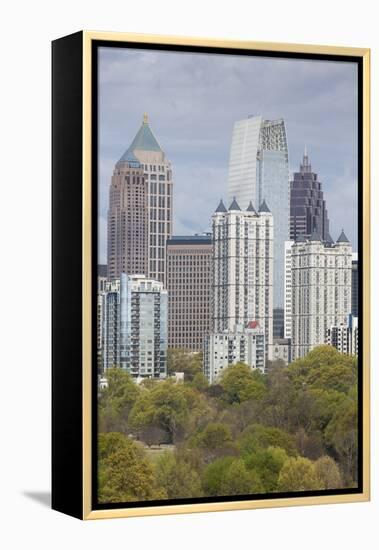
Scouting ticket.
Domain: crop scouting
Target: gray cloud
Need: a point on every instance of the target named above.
(193, 100)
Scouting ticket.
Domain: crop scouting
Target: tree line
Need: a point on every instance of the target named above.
(292, 429)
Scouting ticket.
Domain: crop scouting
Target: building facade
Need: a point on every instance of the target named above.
(321, 290)
(132, 322)
(281, 350)
(344, 337)
(242, 345)
(258, 171)
(288, 289)
(143, 326)
(242, 279)
(189, 271)
(157, 175)
(355, 286)
(127, 244)
(308, 213)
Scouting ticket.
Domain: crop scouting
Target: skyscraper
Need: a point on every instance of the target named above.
(242, 281)
(143, 327)
(128, 218)
(157, 175)
(308, 213)
(189, 270)
(258, 171)
(321, 290)
(354, 285)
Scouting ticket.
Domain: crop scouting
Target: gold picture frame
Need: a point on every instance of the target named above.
(82, 46)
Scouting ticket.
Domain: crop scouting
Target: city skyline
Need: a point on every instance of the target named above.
(199, 150)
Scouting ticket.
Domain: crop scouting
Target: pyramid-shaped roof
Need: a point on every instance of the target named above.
(263, 207)
(143, 141)
(251, 208)
(315, 236)
(221, 207)
(234, 205)
(300, 238)
(342, 238)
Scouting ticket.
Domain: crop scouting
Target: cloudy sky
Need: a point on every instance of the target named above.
(193, 101)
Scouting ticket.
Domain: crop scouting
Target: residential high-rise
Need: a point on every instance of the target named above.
(344, 337)
(308, 212)
(157, 175)
(288, 289)
(143, 326)
(258, 171)
(242, 280)
(243, 344)
(108, 319)
(128, 218)
(132, 322)
(321, 290)
(354, 286)
(189, 269)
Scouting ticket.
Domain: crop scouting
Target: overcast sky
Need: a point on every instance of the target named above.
(193, 100)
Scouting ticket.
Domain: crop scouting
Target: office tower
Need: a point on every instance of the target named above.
(354, 285)
(242, 280)
(143, 326)
(108, 319)
(321, 290)
(225, 348)
(344, 337)
(258, 171)
(157, 176)
(128, 218)
(287, 289)
(308, 212)
(189, 269)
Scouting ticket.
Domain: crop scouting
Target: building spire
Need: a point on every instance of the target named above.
(145, 118)
(305, 166)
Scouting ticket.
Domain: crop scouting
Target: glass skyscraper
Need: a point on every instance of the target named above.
(258, 171)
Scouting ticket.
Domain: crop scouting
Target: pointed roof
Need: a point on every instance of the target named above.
(221, 207)
(234, 205)
(342, 238)
(315, 236)
(251, 208)
(329, 239)
(130, 157)
(143, 141)
(263, 207)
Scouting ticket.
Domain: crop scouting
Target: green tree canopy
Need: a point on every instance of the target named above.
(229, 476)
(328, 473)
(177, 478)
(241, 383)
(298, 474)
(257, 437)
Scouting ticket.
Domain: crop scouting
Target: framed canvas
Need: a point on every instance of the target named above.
(211, 301)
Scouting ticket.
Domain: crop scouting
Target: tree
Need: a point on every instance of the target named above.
(125, 474)
(267, 463)
(328, 473)
(342, 434)
(298, 474)
(181, 360)
(177, 478)
(168, 406)
(214, 440)
(241, 383)
(229, 476)
(256, 437)
(117, 400)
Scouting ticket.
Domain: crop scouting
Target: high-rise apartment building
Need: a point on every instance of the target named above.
(308, 213)
(288, 289)
(258, 171)
(355, 286)
(344, 337)
(128, 218)
(156, 226)
(321, 290)
(242, 280)
(243, 344)
(132, 322)
(143, 326)
(189, 270)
